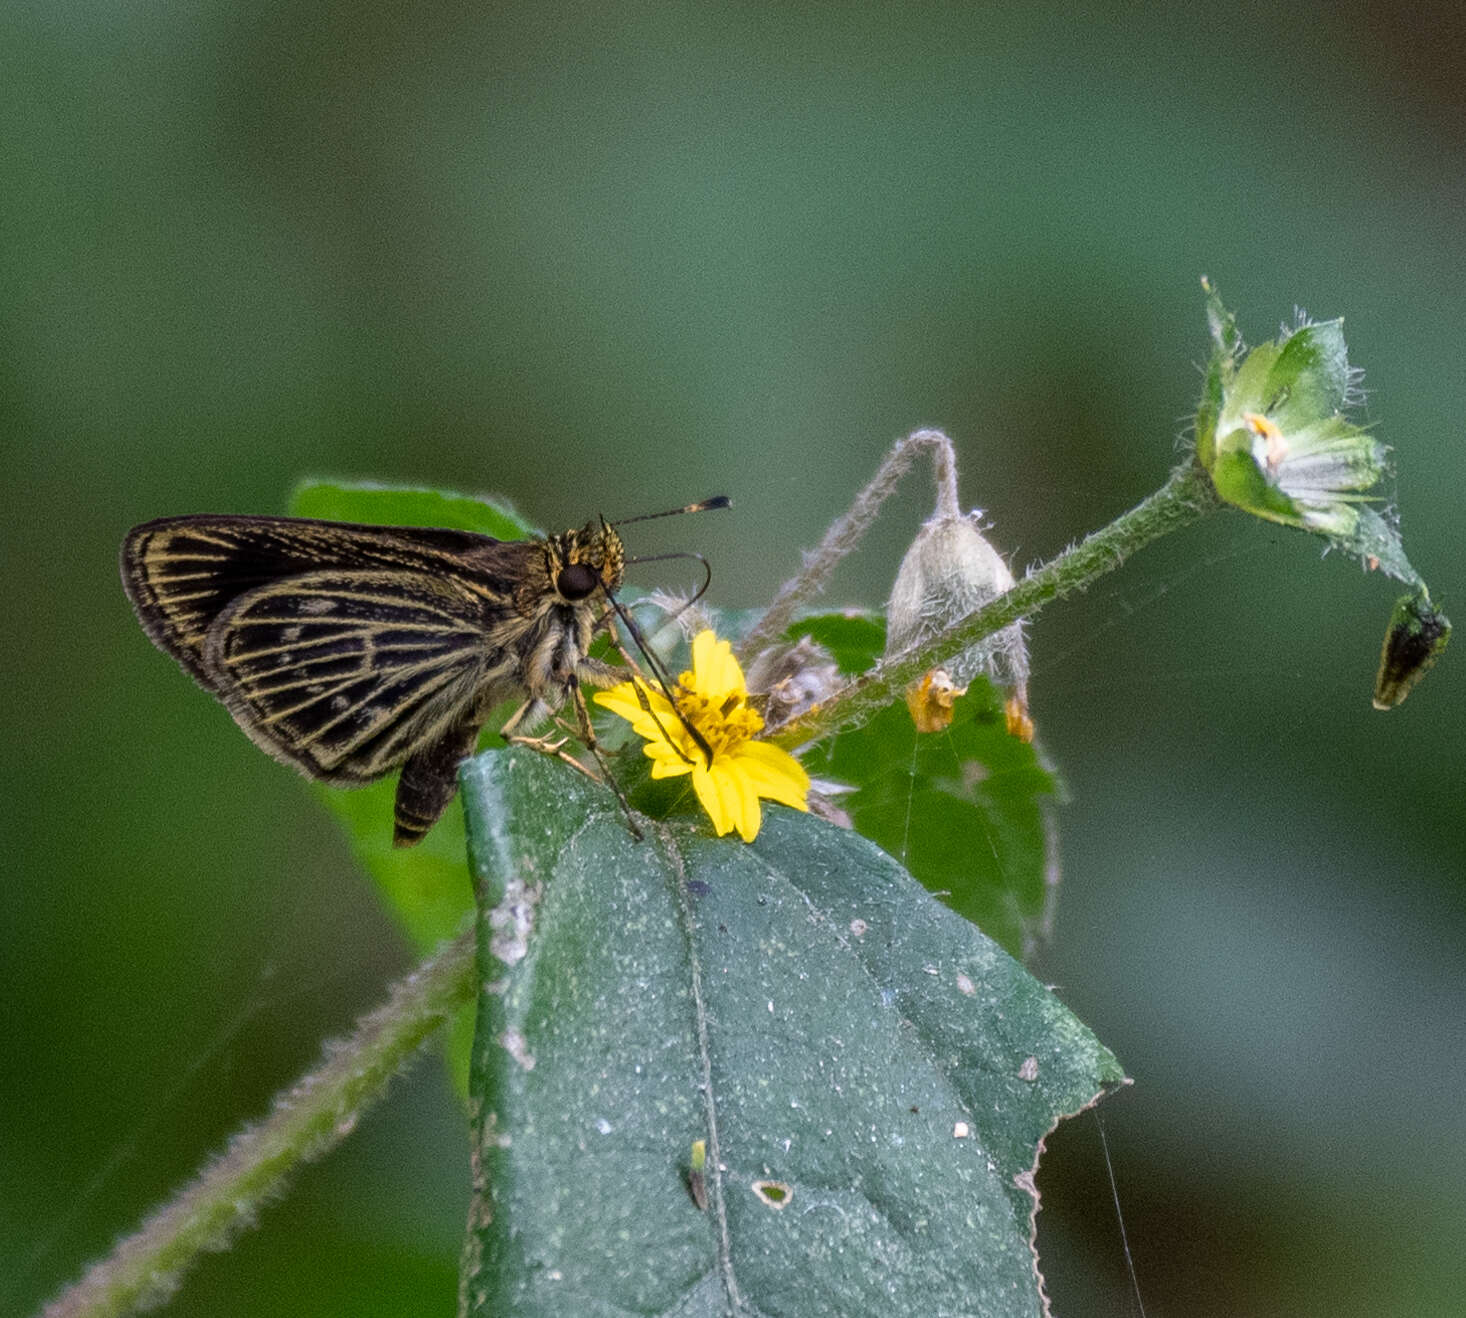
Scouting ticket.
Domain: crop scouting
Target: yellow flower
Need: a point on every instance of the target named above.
(712, 698)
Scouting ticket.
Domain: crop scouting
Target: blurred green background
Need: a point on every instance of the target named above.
(613, 258)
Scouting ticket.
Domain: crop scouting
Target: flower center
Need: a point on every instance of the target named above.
(723, 723)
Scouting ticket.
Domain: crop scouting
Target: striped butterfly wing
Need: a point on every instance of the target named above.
(338, 648)
(181, 573)
(346, 673)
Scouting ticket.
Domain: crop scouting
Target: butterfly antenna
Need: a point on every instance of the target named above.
(707, 579)
(659, 669)
(702, 506)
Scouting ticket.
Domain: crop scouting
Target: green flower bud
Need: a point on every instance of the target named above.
(1417, 634)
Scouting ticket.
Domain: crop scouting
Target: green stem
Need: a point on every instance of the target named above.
(306, 1121)
(1186, 497)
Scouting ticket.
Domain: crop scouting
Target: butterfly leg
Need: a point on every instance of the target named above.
(599, 673)
(530, 713)
(588, 736)
(527, 715)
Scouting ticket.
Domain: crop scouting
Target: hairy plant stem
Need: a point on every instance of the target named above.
(846, 531)
(307, 1120)
(1186, 497)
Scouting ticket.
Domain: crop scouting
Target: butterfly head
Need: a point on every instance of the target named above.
(585, 561)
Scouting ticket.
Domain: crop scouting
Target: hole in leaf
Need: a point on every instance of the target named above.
(774, 1193)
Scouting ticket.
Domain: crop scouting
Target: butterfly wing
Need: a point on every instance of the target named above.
(344, 673)
(181, 573)
(338, 648)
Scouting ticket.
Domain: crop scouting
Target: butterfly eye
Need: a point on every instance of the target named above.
(576, 581)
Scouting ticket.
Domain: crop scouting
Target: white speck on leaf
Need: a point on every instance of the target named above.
(516, 1046)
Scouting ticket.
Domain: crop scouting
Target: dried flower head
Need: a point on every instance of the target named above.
(949, 572)
(791, 678)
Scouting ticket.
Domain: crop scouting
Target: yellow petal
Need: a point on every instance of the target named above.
(622, 700)
(716, 671)
(616, 695)
(666, 763)
(704, 648)
(750, 816)
(738, 803)
(712, 801)
(775, 760)
(619, 700)
(774, 773)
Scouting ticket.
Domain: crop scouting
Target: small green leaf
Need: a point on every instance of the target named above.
(426, 887)
(1310, 378)
(1375, 542)
(966, 810)
(375, 504)
(856, 640)
(871, 1075)
(1220, 370)
(1241, 481)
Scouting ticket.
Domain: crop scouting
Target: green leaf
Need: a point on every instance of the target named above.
(856, 640)
(406, 505)
(871, 1075)
(966, 810)
(425, 887)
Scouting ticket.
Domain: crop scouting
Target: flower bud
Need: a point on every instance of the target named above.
(791, 678)
(949, 572)
(1417, 634)
(1272, 434)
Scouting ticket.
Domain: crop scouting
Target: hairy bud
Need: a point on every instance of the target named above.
(949, 572)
